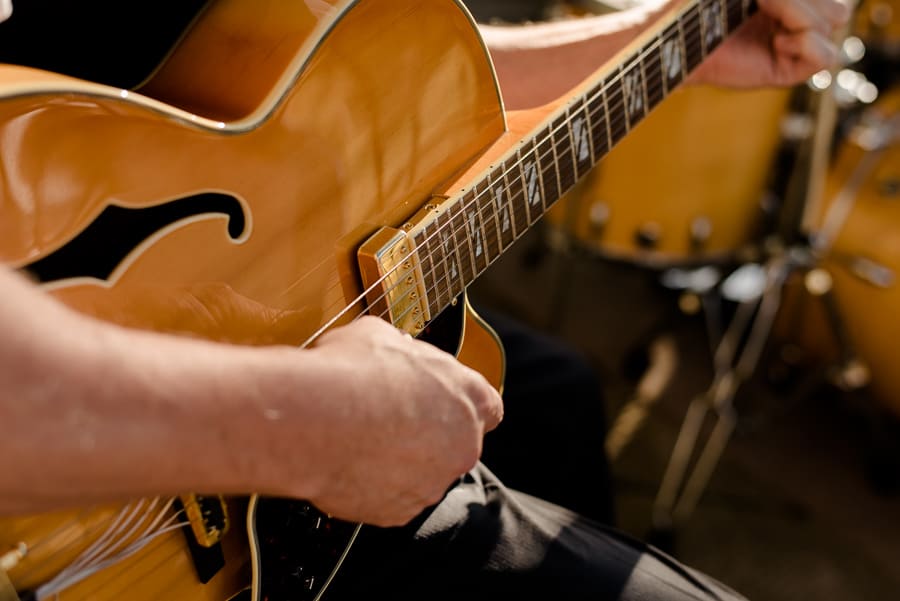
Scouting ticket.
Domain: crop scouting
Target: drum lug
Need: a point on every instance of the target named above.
(701, 230)
(648, 235)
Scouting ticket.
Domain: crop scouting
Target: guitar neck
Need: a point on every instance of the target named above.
(458, 239)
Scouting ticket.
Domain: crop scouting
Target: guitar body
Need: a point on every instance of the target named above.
(226, 198)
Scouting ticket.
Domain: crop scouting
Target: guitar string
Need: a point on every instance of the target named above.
(113, 524)
(121, 521)
(116, 538)
(124, 545)
(125, 552)
(105, 527)
(123, 555)
(603, 88)
(519, 210)
(685, 30)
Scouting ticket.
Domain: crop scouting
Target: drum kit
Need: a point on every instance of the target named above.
(783, 203)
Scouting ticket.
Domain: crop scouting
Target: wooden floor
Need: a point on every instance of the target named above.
(797, 508)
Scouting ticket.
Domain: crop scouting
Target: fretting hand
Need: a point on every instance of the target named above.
(782, 45)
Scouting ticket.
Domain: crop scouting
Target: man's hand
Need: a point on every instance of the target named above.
(414, 422)
(782, 45)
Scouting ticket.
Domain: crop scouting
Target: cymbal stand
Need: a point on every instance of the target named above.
(734, 362)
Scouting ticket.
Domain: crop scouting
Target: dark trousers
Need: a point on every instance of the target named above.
(486, 541)
(551, 441)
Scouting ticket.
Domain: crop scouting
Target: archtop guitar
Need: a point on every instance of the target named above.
(290, 166)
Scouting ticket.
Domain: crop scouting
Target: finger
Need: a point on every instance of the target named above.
(836, 11)
(491, 408)
(810, 51)
(796, 15)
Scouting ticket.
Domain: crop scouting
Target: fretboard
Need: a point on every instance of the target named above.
(497, 209)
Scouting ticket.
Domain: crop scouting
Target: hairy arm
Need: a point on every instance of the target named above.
(370, 425)
(785, 43)
(537, 63)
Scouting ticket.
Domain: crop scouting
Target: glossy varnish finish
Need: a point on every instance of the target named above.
(325, 120)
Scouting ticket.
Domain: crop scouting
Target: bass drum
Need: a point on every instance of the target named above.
(858, 228)
(686, 186)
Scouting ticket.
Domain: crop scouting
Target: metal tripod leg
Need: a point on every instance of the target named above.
(674, 504)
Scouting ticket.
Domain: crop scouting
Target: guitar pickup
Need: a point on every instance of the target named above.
(208, 517)
(392, 275)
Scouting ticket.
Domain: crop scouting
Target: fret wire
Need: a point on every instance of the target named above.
(703, 27)
(502, 197)
(541, 176)
(562, 143)
(509, 202)
(426, 264)
(475, 245)
(361, 298)
(457, 237)
(492, 236)
(603, 88)
(677, 52)
(585, 109)
(547, 147)
(528, 177)
(485, 201)
(597, 93)
(607, 85)
(623, 90)
(694, 15)
(579, 145)
(599, 142)
(439, 278)
(665, 55)
(438, 273)
(657, 76)
(477, 205)
(579, 140)
(468, 242)
(570, 174)
(476, 235)
(460, 237)
(440, 269)
(517, 196)
(641, 61)
(452, 268)
(618, 121)
(684, 56)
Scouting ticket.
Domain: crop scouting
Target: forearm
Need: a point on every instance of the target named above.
(538, 63)
(101, 413)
